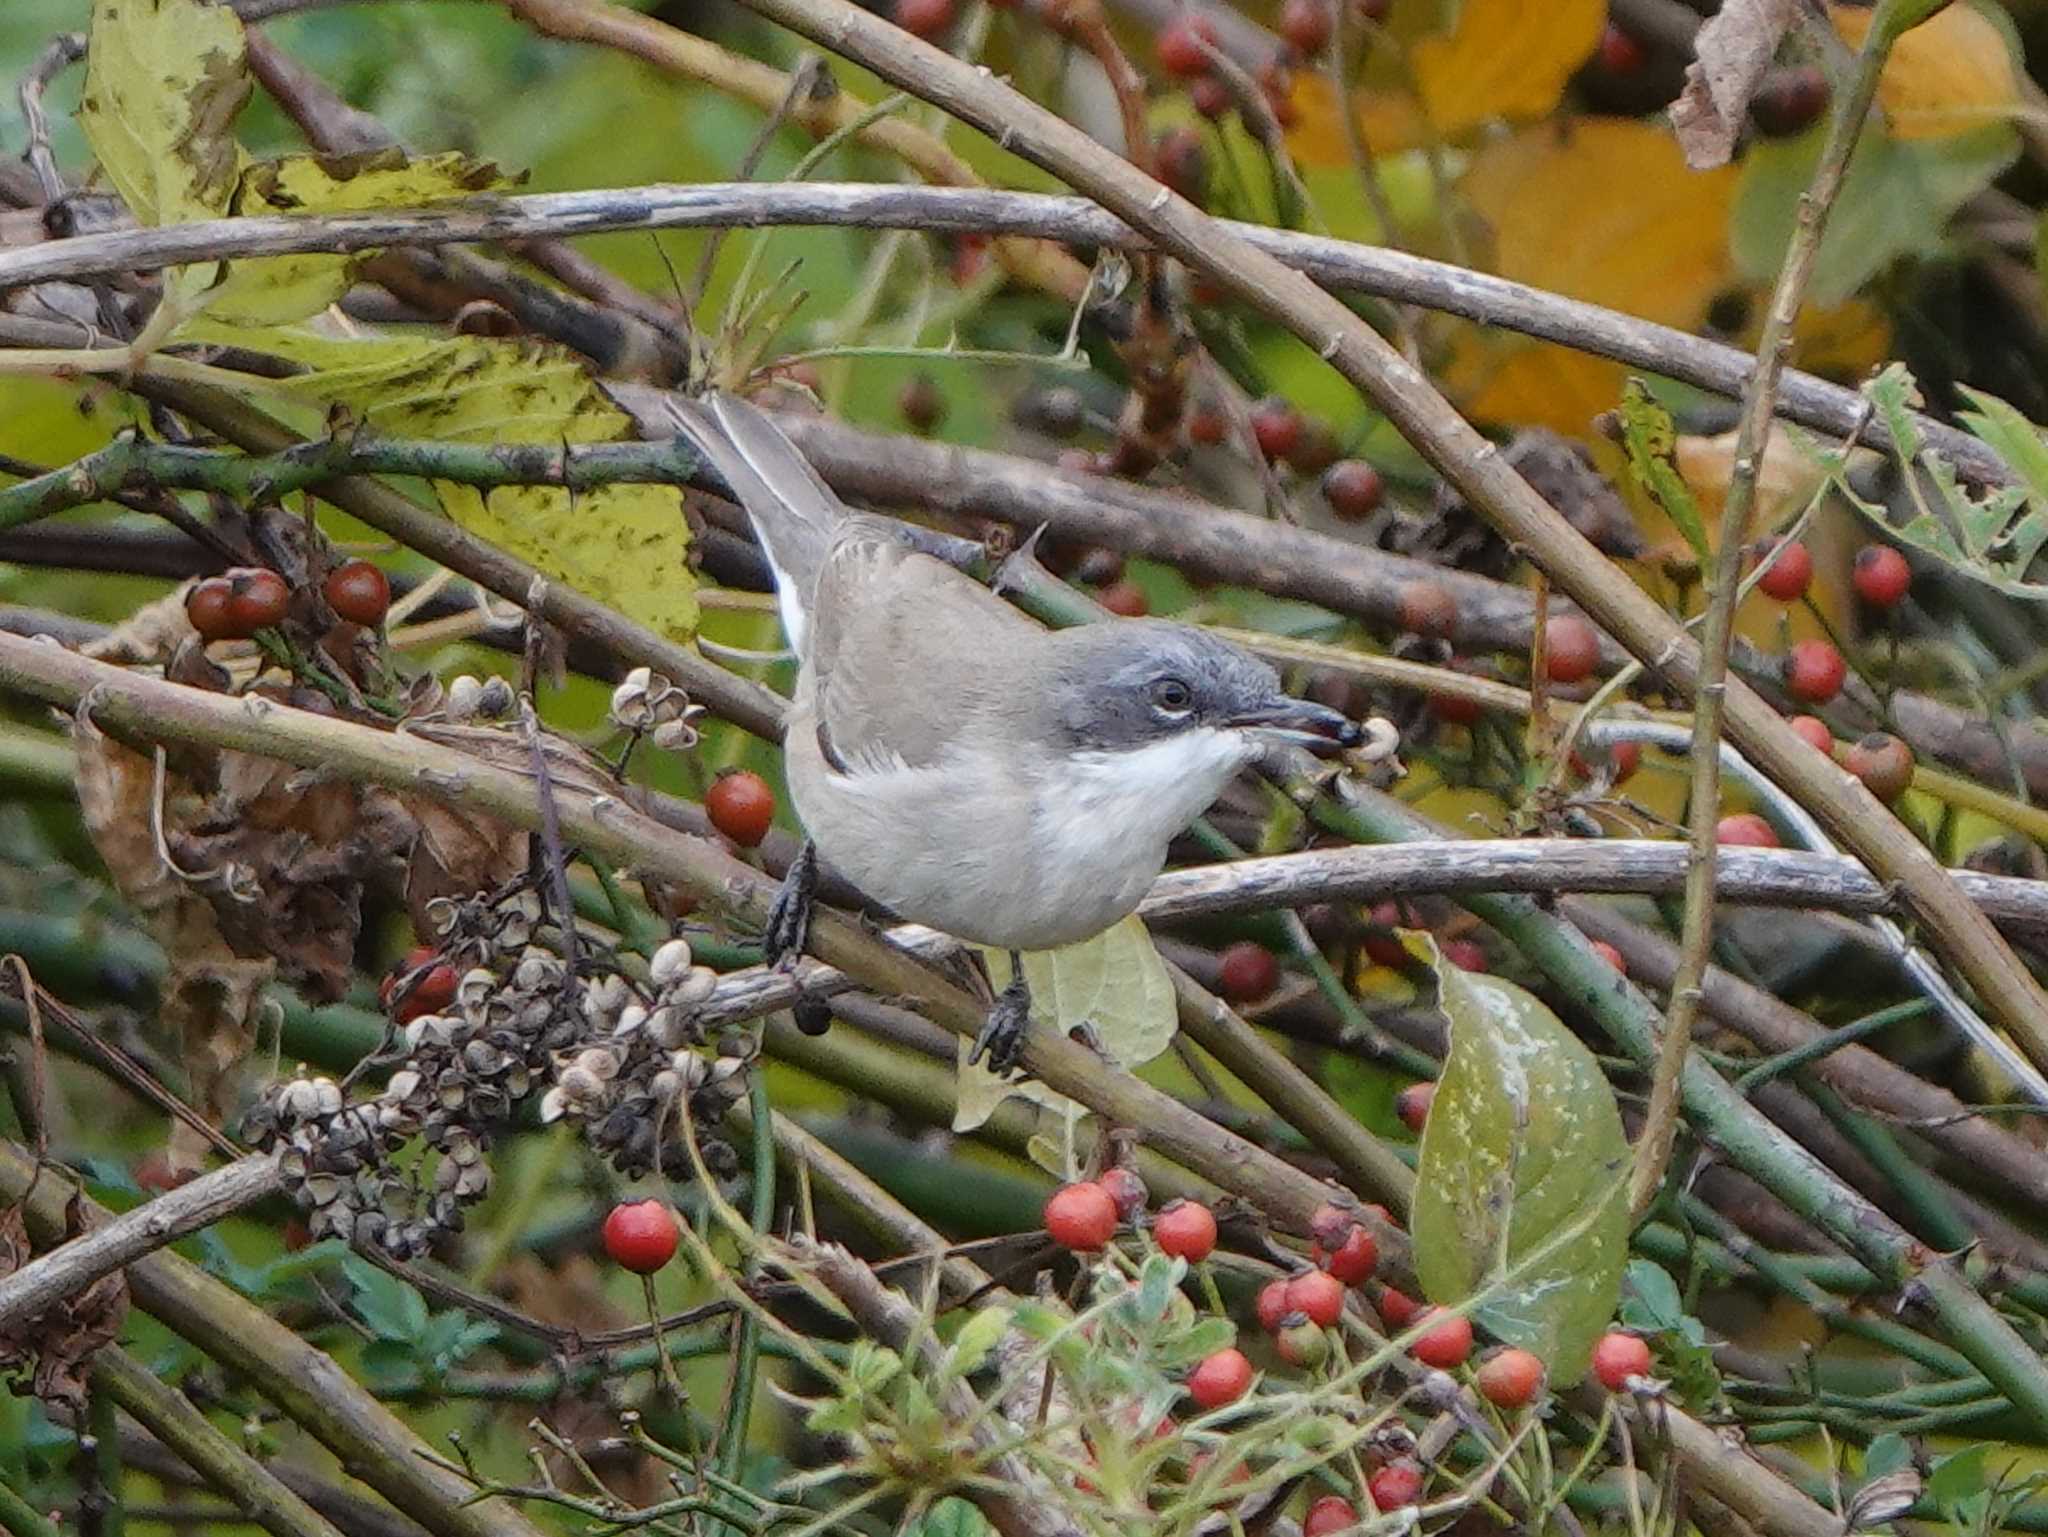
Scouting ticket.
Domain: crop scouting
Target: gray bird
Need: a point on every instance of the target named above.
(958, 763)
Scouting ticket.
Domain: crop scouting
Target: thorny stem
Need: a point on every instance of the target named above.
(1752, 442)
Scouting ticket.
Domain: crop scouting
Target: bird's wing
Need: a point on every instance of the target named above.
(905, 653)
(796, 516)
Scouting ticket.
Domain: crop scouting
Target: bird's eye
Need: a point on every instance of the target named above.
(1172, 696)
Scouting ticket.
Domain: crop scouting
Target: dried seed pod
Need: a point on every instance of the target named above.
(670, 962)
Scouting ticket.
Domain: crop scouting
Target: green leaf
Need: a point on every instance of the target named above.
(391, 1308)
(1651, 438)
(1958, 1476)
(163, 82)
(277, 290)
(1520, 1189)
(1896, 201)
(1115, 984)
(977, 1337)
(1158, 1282)
(1887, 1453)
(623, 545)
(953, 1517)
(1203, 1338)
(1653, 1303)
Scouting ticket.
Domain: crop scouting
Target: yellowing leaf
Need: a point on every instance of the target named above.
(1115, 984)
(1505, 58)
(1520, 1187)
(277, 290)
(1559, 219)
(623, 545)
(1948, 75)
(163, 82)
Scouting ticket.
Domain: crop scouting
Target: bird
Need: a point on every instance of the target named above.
(956, 762)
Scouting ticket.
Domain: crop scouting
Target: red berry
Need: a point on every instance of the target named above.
(1318, 1294)
(1385, 948)
(1397, 1308)
(1352, 1261)
(1247, 972)
(431, 994)
(1126, 598)
(1207, 426)
(1180, 46)
(1881, 575)
(1276, 83)
(1302, 1344)
(1277, 426)
(1571, 649)
(257, 599)
(924, 18)
(153, 1172)
(1883, 763)
(1126, 1189)
(1815, 732)
(1315, 450)
(922, 404)
(1211, 97)
(1789, 571)
(1307, 24)
(1626, 758)
(1412, 1105)
(1272, 1305)
(1398, 1483)
(1465, 954)
(1186, 1230)
(1081, 1216)
(1428, 610)
(358, 592)
(1790, 101)
(1610, 955)
(1745, 829)
(1509, 1378)
(1183, 164)
(206, 610)
(1331, 1513)
(640, 1236)
(1454, 709)
(1220, 1379)
(1814, 671)
(1619, 53)
(1330, 1224)
(1447, 1344)
(741, 806)
(1618, 1357)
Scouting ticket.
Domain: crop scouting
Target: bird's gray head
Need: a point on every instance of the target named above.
(1128, 684)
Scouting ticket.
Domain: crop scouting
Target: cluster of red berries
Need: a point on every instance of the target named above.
(238, 603)
(423, 983)
(1185, 49)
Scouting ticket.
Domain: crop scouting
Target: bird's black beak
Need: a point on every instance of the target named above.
(1302, 723)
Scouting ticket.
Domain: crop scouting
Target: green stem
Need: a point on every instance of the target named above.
(746, 1366)
(22, 1519)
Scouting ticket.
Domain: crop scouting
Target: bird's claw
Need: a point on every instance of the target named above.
(1002, 1034)
(789, 919)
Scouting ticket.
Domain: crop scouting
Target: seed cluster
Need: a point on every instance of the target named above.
(613, 1052)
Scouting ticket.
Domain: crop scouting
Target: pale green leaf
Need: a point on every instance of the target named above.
(1896, 200)
(977, 1337)
(626, 546)
(1520, 1191)
(1651, 439)
(1114, 984)
(277, 290)
(163, 82)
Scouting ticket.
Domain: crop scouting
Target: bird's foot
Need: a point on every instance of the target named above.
(1002, 1034)
(789, 920)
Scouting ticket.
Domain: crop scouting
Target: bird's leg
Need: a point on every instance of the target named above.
(789, 920)
(1002, 1033)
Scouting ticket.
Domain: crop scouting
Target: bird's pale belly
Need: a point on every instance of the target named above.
(1029, 862)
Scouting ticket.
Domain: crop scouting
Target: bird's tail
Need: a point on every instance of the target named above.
(795, 514)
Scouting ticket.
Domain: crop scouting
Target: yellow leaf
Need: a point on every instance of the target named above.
(1505, 58)
(163, 82)
(1548, 197)
(1952, 73)
(277, 290)
(623, 545)
(1554, 201)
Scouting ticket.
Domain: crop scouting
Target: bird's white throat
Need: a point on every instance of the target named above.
(1143, 795)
